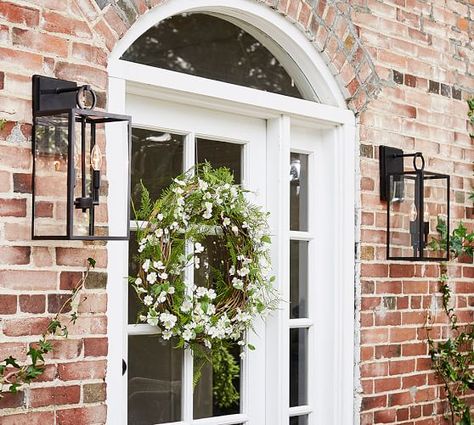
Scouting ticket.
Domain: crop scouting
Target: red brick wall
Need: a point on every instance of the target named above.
(403, 65)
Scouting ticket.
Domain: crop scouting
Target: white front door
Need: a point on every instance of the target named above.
(168, 139)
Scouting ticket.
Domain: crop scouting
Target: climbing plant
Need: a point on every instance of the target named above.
(13, 376)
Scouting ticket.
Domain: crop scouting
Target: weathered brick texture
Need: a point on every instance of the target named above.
(405, 67)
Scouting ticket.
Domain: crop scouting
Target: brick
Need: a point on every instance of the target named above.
(15, 254)
(79, 256)
(8, 304)
(66, 349)
(57, 395)
(96, 303)
(30, 418)
(410, 80)
(18, 14)
(69, 280)
(82, 370)
(58, 301)
(43, 209)
(10, 400)
(95, 347)
(23, 327)
(33, 303)
(13, 157)
(31, 61)
(433, 87)
(63, 24)
(82, 416)
(22, 183)
(94, 393)
(42, 256)
(12, 207)
(40, 42)
(29, 280)
(89, 53)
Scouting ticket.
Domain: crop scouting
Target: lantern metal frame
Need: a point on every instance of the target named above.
(391, 161)
(52, 97)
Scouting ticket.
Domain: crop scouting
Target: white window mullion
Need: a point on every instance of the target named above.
(278, 156)
(187, 401)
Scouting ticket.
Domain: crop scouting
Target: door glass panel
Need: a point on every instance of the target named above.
(210, 47)
(298, 367)
(221, 154)
(298, 191)
(206, 404)
(299, 420)
(157, 158)
(298, 279)
(154, 380)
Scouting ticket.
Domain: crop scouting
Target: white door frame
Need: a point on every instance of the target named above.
(334, 402)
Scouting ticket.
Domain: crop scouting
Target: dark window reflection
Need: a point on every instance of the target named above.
(298, 191)
(221, 154)
(157, 158)
(299, 420)
(214, 48)
(298, 279)
(205, 403)
(154, 380)
(298, 367)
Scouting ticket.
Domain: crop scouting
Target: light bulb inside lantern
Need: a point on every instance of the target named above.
(413, 212)
(96, 158)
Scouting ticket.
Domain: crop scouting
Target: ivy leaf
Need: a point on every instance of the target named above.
(35, 355)
(11, 361)
(251, 347)
(53, 326)
(91, 262)
(14, 388)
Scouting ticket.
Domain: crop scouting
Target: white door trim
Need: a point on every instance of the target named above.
(337, 124)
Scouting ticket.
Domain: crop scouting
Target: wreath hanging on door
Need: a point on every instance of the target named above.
(204, 226)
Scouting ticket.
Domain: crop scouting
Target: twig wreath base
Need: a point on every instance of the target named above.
(217, 311)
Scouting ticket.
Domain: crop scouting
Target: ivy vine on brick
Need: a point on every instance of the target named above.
(13, 375)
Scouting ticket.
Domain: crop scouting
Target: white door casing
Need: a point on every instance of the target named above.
(330, 133)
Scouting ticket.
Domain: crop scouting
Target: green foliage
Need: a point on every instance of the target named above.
(453, 358)
(3, 123)
(13, 375)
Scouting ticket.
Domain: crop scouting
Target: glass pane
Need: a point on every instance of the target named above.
(298, 279)
(221, 154)
(299, 420)
(298, 367)
(298, 191)
(157, 158)
(154, 381)
(206, 404)
(210, 47)
(51, 162)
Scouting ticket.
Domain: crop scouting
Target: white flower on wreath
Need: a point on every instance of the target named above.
(159, 232)
(152, 320)
(226, 221)
(168, 320)
(180, 182)
(166, 334)
(211, 294)
(211, 309)
(159, 216)
(146, 265)
(158, 265)
(178, 190)
(138, 281)
(148, 300)
(186, 306)
(198, 248)
(244, 271)
(197, 262)
(235, 229)
(188, 334)
(201, 292)
(162, 297)
(203, 185)
(237, 283)
(171, 290)
(163, 275)
(151, 278)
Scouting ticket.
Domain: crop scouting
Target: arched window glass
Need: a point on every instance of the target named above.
(210, 47)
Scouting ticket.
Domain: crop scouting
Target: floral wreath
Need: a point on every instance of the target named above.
(210, 316)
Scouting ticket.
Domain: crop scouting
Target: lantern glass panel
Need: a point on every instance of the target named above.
(51, 175)
(417, 201)
(90, 131)
(436, 209)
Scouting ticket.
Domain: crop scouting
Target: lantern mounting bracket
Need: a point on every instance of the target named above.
(50, 94)
(391, 161)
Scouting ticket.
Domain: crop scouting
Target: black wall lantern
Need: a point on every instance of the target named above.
(416, 201)
(70, 191)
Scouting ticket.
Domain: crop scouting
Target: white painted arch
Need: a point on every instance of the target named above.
(276, 32)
